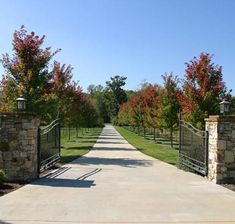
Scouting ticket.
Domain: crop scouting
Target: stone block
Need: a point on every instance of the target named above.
(219, 177)
(18, 126)
(211, 155)
(222, 144)
(232, 174)
(220, 157)
(23, 154)
(229, 157)
(15, 153)
(13, 145)
(223, 169)
(31, 142)
(229, 145)
(7, 156)
(27, 125)
(233, 134)
(22, 133)
(4, 146)
(28, 164)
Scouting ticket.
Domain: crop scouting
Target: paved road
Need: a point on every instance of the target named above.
(114, 183)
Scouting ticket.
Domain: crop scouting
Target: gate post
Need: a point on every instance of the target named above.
(18, 145)
(221, 148)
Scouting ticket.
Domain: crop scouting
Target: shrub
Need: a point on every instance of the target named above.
(2, 176)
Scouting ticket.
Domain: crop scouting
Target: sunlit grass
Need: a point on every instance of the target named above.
(79, 144)
(159, 151)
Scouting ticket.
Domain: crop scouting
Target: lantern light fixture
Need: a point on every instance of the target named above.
(21, 103)
(224, 106)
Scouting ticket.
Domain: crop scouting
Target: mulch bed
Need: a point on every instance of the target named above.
(8, 187)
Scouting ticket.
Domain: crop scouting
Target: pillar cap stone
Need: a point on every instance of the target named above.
(221, 118)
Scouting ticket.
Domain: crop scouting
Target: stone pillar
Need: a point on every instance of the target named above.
(221, 143)
(18, 145)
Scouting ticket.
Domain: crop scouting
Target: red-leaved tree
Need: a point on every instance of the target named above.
(27, 71)
(203, 88)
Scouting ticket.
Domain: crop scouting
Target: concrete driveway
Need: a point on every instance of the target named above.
(114, 183)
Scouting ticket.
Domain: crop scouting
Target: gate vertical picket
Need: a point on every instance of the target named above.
(193, 148)
(48, 145)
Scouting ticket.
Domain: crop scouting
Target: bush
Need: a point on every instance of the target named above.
(2, 176)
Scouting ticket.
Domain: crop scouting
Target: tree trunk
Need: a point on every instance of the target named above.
(154, 134)
(77, 131)
(171, 136)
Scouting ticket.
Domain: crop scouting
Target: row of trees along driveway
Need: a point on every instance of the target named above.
(197, 96)
(51, 92)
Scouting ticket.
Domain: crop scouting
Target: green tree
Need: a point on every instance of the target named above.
(115, 94)
(97, 94)
(169, 104)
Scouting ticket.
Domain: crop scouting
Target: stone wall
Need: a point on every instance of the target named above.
(18, 145)
(221, 161)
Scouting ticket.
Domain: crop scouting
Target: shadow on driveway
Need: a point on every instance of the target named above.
(103, 148)
(4, 222)
(60, 182)
(110, 142)
(124, 162)
(53, 180)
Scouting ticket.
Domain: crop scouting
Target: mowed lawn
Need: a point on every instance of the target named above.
(79, 143)
(159, 151)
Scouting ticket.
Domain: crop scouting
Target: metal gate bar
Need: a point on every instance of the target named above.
(193, 150)
(49, 145)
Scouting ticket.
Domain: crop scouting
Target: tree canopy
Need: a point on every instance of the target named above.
(203, 89)
(51, 92)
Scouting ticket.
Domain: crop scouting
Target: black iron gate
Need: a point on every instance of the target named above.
(193, 149)
(49, 145)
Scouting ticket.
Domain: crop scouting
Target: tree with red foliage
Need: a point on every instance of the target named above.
(51, 94)
(139, 107)
(151, 96)
(27, 72)
(60, 92)
(203, 88)
(141, 111)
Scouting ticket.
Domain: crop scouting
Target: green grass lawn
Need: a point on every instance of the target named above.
(159, 151)
(77, 146)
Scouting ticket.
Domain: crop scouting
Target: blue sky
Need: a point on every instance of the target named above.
(140, 39)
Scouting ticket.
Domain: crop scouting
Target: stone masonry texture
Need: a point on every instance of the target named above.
(18, 145)
(221, 161)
